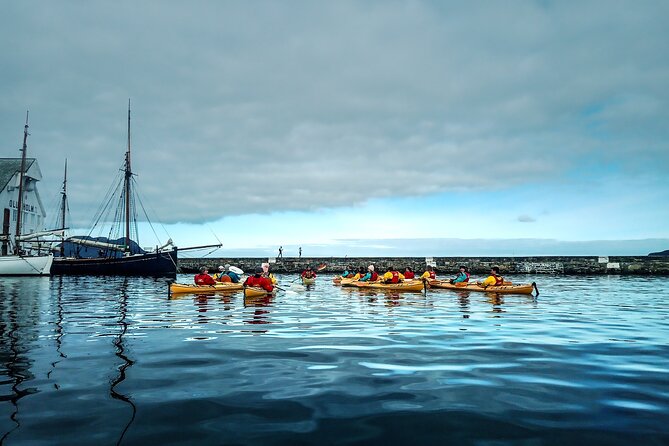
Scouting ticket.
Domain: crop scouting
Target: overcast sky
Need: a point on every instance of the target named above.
(317, 123)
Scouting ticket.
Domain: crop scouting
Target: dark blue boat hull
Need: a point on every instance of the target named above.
(149, 264)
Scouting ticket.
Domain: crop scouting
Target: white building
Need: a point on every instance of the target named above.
(34, 214)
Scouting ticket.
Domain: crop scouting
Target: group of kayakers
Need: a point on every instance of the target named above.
(390, 276)
(264, 279)
(394, 276)
(261, 277)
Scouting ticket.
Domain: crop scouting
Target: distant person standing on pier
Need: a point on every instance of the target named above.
(204, 278)
(494, 279)
(280, 252)
(462, 277)
(300, 252)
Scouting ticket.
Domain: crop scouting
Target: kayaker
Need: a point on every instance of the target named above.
(371, 276)
(233, 276)
(348, 273)
(494, 279)
(204, 278)
(258, 280)
(308, 273)
(392, 276)
(266, 273)
(360, 274)
(463, 275)
(220, 276)
(429, 274)
(408, 273)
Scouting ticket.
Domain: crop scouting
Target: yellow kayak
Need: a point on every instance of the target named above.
(409, 285)
(524, 288)
(254, 291)
(309, 281)
(178, 288)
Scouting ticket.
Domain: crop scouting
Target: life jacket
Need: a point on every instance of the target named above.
(409, 275)
(375, 276)
(204, 279)
(467, 278)
(432, 274)
(395, 278)
(499, 280)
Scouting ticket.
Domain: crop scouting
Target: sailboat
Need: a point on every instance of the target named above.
(121, 256)
(23, 261)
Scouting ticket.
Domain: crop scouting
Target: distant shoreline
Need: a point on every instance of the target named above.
(575, 265)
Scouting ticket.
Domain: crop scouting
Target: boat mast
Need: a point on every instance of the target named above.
(128, 176)
(17, 250)
(63, 208)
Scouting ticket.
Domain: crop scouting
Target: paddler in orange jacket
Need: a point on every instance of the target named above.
(494, 279)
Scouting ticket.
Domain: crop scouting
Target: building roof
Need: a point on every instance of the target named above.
(9, 167)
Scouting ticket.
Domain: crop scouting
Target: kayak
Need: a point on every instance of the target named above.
(524, 288)
(254, 291)
(309, 281)
(336, 280)
(178, 288)
(409, 285)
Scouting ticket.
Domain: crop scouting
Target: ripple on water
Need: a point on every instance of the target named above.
(587, 360)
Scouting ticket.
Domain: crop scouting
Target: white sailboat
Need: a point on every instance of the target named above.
(24, 261)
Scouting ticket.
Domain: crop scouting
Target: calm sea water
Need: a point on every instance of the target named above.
(113, 361)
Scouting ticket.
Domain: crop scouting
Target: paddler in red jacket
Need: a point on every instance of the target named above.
(204, 278)
(258, 280)
(308, 273)
(409, 274)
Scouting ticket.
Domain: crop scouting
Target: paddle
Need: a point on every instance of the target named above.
(534, 284)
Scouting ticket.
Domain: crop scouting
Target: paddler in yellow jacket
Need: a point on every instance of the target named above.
(494, 279)
(392, 276)
(429, 274)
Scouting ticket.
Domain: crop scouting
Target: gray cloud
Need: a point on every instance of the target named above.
(526, 219)
(296, 106)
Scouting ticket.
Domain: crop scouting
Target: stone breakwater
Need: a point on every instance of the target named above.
(645, 266)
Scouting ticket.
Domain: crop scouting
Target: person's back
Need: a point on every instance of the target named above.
(409, 274)
(258, 280)
(232, 276)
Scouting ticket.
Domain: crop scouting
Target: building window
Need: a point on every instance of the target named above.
(14, 215)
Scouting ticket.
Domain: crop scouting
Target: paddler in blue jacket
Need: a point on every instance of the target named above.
(463, 275)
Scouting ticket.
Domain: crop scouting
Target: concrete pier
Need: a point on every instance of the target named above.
(581, 265)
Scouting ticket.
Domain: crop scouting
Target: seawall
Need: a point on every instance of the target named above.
(581, 265)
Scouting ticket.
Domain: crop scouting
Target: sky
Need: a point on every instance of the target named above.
(415, 128)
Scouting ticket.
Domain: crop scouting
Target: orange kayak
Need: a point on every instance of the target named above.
(409, 285)
(178, 288)
(254, 291)
(524, 288)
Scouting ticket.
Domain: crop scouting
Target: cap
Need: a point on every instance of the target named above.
(259, 270)
(220, 268)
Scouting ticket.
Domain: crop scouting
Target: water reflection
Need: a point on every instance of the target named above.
(18, 313)
(120, 353)
(59, 329)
